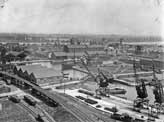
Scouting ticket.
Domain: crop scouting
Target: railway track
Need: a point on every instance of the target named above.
(31, 111)
(35, 113)
(80, 115)
(83, 117)
(85, 109)
(48, 117)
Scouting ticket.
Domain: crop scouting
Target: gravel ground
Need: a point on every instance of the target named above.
(12, 113)
(59, 114)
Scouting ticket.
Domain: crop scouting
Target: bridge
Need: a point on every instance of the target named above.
(55, 98)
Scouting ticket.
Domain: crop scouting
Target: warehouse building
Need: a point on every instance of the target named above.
(71, 55)
(82, 48)
(39, 74)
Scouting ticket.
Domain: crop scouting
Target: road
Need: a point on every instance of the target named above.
(10, 93)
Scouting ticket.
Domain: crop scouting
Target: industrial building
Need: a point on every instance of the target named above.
(64, 55)
(42, 75)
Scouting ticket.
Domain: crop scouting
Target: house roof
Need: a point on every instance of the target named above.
(77, 53)
(76, 46)
(85, 46)
(14, 53)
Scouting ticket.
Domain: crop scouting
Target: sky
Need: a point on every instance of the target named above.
(129, 17)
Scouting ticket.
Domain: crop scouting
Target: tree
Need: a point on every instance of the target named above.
(66, 49)
(15, 70)
(52, 55)
(138, 49)
(106, 50)
(3, 54)
(121, 41)
(72, 41)
(78, 42)
(22, 55)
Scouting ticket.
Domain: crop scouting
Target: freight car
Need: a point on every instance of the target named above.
(30, 100)
(15, 99)
(116, 116)
(90, 101)
(86, 92)
(41, 118)
(80, 97)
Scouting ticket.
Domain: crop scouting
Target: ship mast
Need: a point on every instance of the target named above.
(135, 71)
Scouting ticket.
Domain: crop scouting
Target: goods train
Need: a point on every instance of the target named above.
(41, 118)
(30, 100)
(15, 99)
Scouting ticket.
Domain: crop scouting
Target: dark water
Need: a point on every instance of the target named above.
(132, 94)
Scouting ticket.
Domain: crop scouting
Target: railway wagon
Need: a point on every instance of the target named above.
(15, 99)
(30, 100)
(44, 119)
(41, 118)
(86, 92)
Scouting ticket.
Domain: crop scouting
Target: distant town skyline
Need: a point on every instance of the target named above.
(125, 17)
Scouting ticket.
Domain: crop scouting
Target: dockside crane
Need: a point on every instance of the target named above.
(140, 89)
(108, 80)
(157, 108)
(85, 60)
(101, 81)
(158, 90)
(84, 63)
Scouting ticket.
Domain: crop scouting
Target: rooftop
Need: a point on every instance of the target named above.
(85, 46)
(40, 71)
(77, 53)
(14, 53)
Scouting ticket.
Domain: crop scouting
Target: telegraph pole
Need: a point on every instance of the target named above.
(64, 76)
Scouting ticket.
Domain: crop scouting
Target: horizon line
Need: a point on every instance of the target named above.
(82, 34)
